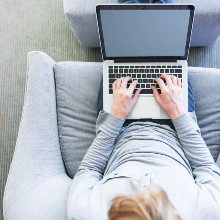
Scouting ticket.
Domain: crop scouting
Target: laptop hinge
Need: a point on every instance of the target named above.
(144, 60)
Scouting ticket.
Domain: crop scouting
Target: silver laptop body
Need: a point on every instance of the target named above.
(144, 41)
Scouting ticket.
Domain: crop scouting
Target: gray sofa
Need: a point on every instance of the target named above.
(82, 18)
(39, 177)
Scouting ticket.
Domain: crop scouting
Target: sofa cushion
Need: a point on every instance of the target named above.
(77, 85)
(205, 83)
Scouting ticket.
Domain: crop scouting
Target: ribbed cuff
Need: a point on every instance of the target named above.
(109, 123)
(184, 124)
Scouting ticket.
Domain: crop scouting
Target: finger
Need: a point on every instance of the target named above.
(136, 96)
(132, 86)
(118, 83)
(114, 84)
(167, 78)
(161, 83)
(173, 78)
(125, 81)
(179, 82)
(156, 94)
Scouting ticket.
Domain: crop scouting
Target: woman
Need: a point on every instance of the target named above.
(168, 153)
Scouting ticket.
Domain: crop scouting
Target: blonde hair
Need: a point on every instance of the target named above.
(151, 204)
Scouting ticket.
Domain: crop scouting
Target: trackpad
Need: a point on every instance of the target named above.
(146, 107)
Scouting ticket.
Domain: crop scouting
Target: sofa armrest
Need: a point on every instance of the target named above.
(47, 201)
(37, 157)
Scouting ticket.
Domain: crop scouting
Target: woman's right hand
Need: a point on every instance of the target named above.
(171, 95)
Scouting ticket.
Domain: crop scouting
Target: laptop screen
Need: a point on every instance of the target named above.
(159, 31)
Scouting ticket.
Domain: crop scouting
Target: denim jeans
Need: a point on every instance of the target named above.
(143, 1)
(191, 107)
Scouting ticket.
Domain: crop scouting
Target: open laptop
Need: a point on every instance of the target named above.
(144, 41)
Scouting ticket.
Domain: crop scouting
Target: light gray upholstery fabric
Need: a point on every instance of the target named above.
(77, 85)
(82, 18)
(205, 82)
(37, 185)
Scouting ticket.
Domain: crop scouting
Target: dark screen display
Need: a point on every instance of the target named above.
(143, 33)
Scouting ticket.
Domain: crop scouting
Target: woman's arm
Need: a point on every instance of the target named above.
(193, 144)
(188, 131)
(108, 127)
(206, 173)
(93, 165)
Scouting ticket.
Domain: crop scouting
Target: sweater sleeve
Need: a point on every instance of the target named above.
(193, 144)
(108, 127)
(92, 167)
(206, 173)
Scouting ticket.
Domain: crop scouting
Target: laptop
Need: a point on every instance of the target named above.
(144, 41)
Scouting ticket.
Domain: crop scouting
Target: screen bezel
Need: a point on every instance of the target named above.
(160, 6)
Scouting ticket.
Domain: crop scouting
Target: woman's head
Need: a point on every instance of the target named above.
(151, 204)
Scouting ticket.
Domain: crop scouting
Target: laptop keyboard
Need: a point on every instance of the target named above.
(144, 74)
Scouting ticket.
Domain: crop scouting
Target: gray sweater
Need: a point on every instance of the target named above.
(145, 153)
